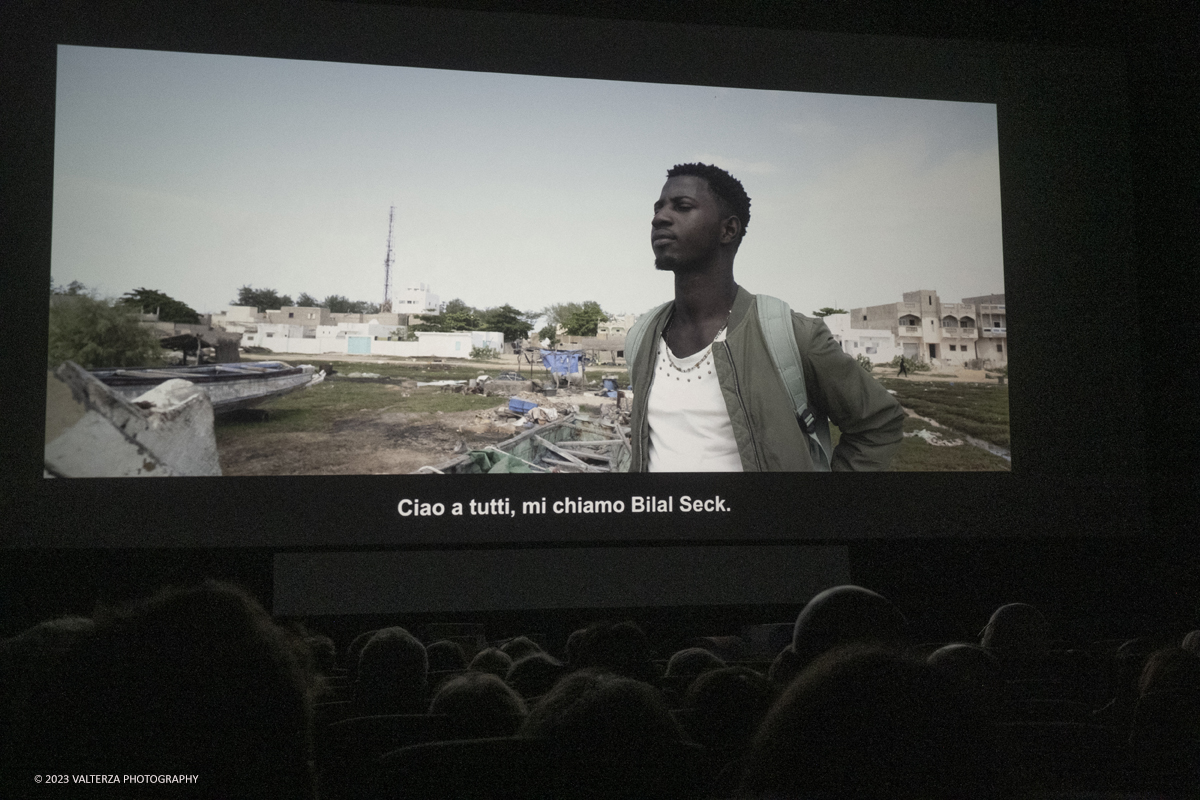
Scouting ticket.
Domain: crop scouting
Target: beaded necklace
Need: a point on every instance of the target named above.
(705, 359)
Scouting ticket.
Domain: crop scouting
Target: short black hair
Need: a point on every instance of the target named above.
(728, 189)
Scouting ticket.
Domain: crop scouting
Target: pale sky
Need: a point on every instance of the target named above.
(196, 174)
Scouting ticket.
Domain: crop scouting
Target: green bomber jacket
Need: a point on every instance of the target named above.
(769, 436)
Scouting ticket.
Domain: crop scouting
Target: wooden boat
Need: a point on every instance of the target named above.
(575, 443)
(229, 386)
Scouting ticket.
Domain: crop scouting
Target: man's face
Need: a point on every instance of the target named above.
(687, 227)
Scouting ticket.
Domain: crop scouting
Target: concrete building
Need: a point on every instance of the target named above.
(299, 315)
(237, 319)
(418, 299)
(993, 328)
(380, 318)
(878, 345)
(927, 329)
(616, 327)
(368, 338)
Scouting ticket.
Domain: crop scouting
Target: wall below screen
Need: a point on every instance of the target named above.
(617, 577)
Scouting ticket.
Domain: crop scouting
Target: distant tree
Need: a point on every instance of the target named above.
(98, 333)
(307, 300)
(72, 289)
(827, 310)
(583, 319)
(262, 299)
(339, 304)
(512, 323)
(436, 323)
(363, 307)
(550, 334)
(169, 309)
(461, 318)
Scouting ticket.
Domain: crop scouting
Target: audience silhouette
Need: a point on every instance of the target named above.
(202, 681)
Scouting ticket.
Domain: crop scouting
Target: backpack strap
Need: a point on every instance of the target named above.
(775, 321)
(637, 333)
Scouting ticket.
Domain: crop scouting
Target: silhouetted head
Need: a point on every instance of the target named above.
(691, 662)
(492, 660)
(835, 617)
(571, 650)
(1017, 628)
(355, 649)
(479, 705)
(194, 681)
(445, 655)
(727, 706)
(617, 647)
(970, 663)
(866, 723)
(534, 675)
(393, 673)
(1171, 669)
(599, 709)
(520, 647)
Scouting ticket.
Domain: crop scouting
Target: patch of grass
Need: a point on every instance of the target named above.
(917, 455)
(979, 410)
(318, 407)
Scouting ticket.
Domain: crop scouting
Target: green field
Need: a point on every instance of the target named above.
(976, 409)
(917, 455)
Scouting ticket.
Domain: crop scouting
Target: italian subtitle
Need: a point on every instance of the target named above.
(120, 779)
(504, 507)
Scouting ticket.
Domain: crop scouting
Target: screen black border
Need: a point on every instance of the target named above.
(1077, 427)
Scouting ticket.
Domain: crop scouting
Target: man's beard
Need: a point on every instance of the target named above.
(677, 264)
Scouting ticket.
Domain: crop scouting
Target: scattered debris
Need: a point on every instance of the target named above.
(568, 443)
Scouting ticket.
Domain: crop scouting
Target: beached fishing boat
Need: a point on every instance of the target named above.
(575, 443)
(228, 386)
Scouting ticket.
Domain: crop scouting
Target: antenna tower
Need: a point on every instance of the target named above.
(386, 306)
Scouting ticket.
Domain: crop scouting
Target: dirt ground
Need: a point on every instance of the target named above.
(380, 442)
(370, 443)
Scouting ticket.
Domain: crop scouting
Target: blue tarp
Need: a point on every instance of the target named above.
(561, 362)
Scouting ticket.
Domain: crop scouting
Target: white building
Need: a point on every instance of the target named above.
(878, 345)
(418, 299)
(368, 338)
(927, 329)
(616, 326)
(237, 319)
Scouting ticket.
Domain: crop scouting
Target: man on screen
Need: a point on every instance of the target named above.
(727, 381)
